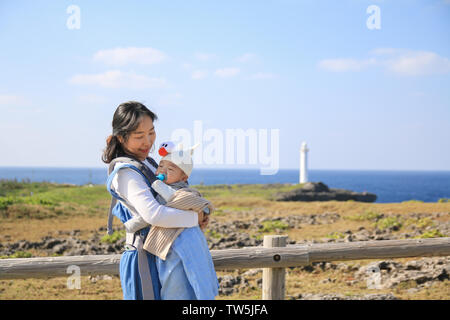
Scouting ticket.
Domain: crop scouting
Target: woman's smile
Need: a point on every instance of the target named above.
(145, 151)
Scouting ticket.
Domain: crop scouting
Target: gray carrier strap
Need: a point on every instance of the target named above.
(111, 216)
(144, 271)
(143, 168)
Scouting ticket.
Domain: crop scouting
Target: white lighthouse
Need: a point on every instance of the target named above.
(303, 163)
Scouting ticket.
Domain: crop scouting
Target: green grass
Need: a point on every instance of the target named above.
(113, 238)
(430, 234)
(367, 215)
(42, 200)
(244, 190)
(214, 234)
(420, 222)
(18, 254)
(26, 188)
(389, 222)
(273, 226)
(336, 235)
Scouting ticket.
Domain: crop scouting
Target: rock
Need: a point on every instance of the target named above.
(75, 232)
(252, 272)
(96, 278)
(317, 191)
(389, 274)
(50, 243)
(315, 187)
(59, 248)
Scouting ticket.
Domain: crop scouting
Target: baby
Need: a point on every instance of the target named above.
(173, 191)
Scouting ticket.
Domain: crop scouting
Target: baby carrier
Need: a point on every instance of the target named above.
(138, 273)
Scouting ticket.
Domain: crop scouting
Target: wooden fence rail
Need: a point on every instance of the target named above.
(268, 256)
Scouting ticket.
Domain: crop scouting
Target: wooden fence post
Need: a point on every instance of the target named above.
(273, 281)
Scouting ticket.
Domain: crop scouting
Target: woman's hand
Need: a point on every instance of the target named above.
(204, 222)
(201, 215)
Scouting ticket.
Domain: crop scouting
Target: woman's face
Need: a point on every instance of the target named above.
(141, 140)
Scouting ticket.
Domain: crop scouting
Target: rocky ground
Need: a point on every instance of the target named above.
(384, 274)
(415, 275)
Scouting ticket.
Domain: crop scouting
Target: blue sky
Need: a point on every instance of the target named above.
(362, 99)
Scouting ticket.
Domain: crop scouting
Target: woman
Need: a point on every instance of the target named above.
(188, 271)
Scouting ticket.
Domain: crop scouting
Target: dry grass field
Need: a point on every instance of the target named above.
(32, 211)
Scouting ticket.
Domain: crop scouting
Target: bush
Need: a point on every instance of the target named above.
(5, 202)
(113, 238)
(269, 226)
(336, 235)
(443, 200)
(18, 254)
(214, 234)
(389, 222)
(420, 223)
(368, 215)
(430, 234)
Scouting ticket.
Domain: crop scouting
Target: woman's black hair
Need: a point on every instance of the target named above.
(126, 119)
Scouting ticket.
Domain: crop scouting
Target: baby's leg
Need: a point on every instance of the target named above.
(174, 282)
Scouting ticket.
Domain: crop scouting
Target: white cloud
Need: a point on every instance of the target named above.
(170, 99)
(199, 74)
(227, 72)
(92, 99)
(123, 56)
(13, 100)
(18, 104)
(263, 75)
(384, 51)
(246, 57)
(118, 79)
(341, 65)
(418, 63)
(187, 66)
(398, 61)
(204, 56)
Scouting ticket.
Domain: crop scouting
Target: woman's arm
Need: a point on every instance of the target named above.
(131, 185)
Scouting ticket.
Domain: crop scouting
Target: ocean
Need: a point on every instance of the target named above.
(389, 186)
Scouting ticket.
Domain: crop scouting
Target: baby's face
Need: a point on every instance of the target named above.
(172, 172)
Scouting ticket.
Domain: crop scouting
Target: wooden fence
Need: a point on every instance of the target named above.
(273, 257)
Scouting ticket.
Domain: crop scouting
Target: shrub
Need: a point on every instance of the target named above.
(214, 234)
(336, 235)
(271, 225)
(18, 254)
(368, 215)
(5, 202)
(430, 234)
(113, 238)
(389, 222)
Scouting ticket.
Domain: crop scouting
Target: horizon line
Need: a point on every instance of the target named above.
(228, 168)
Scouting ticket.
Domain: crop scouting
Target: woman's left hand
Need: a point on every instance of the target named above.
(204, 222)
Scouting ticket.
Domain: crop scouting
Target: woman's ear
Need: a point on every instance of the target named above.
(120, 139)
